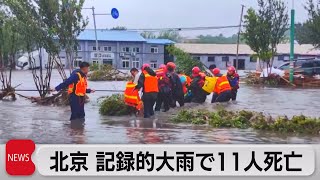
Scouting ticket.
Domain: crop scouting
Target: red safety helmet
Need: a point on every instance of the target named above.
(162, 66)
(195, 71)
(145, 66)
(216, 71)
(172, 65)
(231, 69)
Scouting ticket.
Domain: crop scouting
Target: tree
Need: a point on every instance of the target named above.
(220, 39)
(311, 28)
(265, 29)
(70, 24)
(170, 34)
(303, 34)
(10, 43)
(148, 35)
(49, 25)
(183, 60)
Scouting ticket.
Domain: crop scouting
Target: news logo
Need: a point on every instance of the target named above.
(18, 157)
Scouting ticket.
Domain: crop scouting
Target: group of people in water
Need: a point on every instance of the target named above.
(162, 88)
(166, 87)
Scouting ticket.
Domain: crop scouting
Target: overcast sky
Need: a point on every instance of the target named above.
(177, 13)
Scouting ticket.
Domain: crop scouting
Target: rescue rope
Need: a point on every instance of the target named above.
(100, 90)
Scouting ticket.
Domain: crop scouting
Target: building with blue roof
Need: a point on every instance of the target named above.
(120, 48)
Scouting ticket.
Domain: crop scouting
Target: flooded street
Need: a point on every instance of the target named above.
(50, 124)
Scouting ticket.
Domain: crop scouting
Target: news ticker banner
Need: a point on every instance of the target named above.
(24, 158)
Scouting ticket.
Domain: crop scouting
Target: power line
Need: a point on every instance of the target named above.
(184, 28)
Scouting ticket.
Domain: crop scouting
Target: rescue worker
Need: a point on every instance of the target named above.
(177, 88)
(198, 94)
(149, 83)
(135, 75)
(131, 95)
(234, 79)
(222, 90)
(164, 89)
(77, 91)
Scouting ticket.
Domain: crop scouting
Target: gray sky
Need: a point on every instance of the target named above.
(177, 13)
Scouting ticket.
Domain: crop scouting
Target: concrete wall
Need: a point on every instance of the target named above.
(249, 65)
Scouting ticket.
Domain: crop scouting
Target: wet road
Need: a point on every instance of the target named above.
(49, 124)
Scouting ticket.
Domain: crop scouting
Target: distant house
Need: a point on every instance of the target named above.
(224, 55)
(122, 49)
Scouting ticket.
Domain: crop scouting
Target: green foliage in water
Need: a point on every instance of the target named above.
(106, 73)
(114, 106)
(248, 119)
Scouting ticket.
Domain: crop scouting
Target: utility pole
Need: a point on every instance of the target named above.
(239, 33)
(292, 42)
(96, 35)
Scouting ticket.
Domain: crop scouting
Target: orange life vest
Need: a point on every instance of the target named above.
(131, 96)
(222, 85)
(160, 73)
(79, 88)
(150, 83)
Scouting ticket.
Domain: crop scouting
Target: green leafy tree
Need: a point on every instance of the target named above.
(183, 60)
(49, 25)
(265, 29)
(148, 35)
(311, 28)
(170, 34)
(70, 23)
(220, 39)
(303, 33)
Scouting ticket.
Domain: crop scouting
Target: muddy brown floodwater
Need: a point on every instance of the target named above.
(49, 124)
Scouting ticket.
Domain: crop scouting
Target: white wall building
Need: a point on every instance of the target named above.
(224, 55)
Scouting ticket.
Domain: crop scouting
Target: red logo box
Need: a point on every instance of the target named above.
(18, 157)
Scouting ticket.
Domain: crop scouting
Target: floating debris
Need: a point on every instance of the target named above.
(249, 119)
(114, 106)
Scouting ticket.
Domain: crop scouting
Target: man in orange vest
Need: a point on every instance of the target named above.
(148, 81)
(222, 91)
(77, 90)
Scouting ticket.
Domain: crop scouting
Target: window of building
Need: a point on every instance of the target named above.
(154, 64)
(107, 61)
(95, 61)
(253, 59)
(78, 48)
(225, 58)
(125, 62)
(154, 49)
(136, 50)
(196, 58)
(107, 48)
(126, 49)
(281, 58)
(136, 63)
(94, 48)
(211, 59)
(77, 62)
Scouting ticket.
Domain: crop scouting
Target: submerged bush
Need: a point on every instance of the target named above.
(106, 73)
(192, 116)
(248, 119)
(114, 106)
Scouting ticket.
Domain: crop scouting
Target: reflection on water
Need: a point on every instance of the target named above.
(49, 124)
